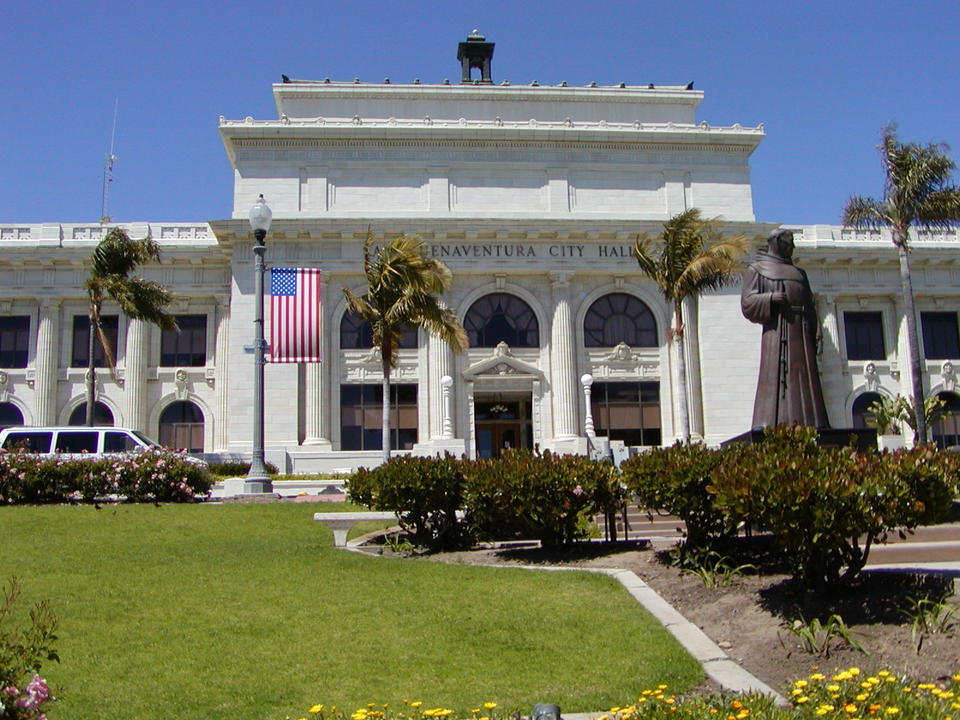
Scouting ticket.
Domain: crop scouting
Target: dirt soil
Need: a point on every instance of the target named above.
(747, 618)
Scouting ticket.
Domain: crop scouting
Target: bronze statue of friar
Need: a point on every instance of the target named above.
(776, 294)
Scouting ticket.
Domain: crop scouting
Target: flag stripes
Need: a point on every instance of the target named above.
(294, 315)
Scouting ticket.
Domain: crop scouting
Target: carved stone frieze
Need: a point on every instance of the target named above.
(182, 381)
(949, 376)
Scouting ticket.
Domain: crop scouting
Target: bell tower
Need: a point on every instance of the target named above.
(475, 52)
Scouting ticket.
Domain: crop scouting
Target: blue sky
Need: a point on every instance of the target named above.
(823, 77)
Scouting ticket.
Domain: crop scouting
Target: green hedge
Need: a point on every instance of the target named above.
(676, 480)
(424, 492)
(827, 506)
(824, 507)
(150, 476)
(551, 498)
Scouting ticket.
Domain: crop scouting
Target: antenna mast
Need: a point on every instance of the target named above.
(108, 170)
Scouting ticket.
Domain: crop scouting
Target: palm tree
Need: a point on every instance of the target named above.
(402, 284)
(685, 268)
(111, 265)
(916, 193)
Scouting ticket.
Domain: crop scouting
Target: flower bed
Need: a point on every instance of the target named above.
(150, 476)
(846, 695)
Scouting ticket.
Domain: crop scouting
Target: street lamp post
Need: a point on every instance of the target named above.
(257, 479)
(587, 380)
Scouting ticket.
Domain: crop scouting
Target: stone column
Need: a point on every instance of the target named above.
(902, 354)
(135, 376)
(563, 361)
(440, 363)
(317, 383)
(47, 361)
(221, 380)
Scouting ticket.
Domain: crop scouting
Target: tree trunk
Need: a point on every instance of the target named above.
(91, 367)
(684, 409)
(386, 409)
(913, 338)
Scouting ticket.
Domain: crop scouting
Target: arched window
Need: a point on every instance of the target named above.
(946, 431)
(861, 409)
(501, 317)
(102, 417)
(357, 334)
(181, 426)
(619, 318)
(10, 415)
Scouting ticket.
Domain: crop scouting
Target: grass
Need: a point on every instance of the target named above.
(247, 611)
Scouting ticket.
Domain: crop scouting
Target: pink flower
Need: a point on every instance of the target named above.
(578, 491)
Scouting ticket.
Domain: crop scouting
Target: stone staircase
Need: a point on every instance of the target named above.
(934, 544)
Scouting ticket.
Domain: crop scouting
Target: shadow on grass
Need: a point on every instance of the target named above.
(533, 554)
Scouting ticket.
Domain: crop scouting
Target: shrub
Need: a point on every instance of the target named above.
(23, 693)
(819, 502)
(549, 497)
(675, 479)
(424, 492)
(153, 475)
(238, 469)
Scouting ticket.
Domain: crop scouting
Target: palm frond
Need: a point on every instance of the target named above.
(862, 212)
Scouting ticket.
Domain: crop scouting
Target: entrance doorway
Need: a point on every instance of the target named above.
(502, 422)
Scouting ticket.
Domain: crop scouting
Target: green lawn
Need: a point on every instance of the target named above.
(247, 611)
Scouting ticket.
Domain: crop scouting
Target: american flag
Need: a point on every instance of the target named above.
(294, 315)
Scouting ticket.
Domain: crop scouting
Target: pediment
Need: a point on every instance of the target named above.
(502, 363)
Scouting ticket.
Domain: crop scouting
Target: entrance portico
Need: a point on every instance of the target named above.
(503, 404)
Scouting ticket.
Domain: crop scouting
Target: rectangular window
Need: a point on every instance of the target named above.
(81, 340)
(14, 341)
(627, 411)
(864, 335)
(77, 441)
(361, 417)
(941, 341)
(186, 347)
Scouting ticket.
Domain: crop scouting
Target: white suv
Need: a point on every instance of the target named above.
(74, 441)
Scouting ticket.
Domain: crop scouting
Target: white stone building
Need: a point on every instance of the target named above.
(533, 196)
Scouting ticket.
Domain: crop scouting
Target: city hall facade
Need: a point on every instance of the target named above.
(533, 196)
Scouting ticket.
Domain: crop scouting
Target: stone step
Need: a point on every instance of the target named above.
(931, 544)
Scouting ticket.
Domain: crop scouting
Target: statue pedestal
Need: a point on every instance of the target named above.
(864, 438)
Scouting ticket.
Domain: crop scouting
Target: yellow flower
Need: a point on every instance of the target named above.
(850, 708)
(818, 676)
(416, 703)
(861, 697)
(489, 705)
(892, 710)
(318, 708)
(802, 699)
(800, 683)
(854, 671)
(833, 688)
